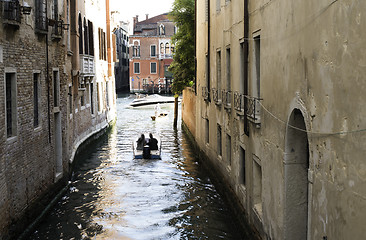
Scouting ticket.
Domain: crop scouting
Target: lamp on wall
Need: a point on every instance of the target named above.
(26, 9)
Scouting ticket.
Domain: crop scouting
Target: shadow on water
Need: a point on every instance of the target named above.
(113, 196)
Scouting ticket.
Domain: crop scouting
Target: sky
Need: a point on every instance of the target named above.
(130, 8)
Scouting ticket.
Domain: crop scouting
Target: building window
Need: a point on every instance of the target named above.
(167, 48)
(162, 48)
(86, 38)
(99, 96)
(244, 80)
(161, 29)
(56, 89)
(136, 68)
(219, 140)
(218, 70)
(91, 38)
(41, 15)
(11, 108)
(207, 131)
(36, 77)
(102, 45)
(91, 97)
(57, 28)
(12, 10)
(257, 55)
(136, 49)
(242, 164)
(228, 148)
(257, 187)
(228, 70)
(81, 49)
(153, 67)
(153, 50)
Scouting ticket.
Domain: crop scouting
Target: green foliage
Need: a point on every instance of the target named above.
(183, 66)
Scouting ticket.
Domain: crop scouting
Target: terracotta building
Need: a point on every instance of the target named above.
(151, 53)
(278, 112)
(57, 92)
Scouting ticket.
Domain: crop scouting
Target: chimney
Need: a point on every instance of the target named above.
(147, 16)
(135, 21)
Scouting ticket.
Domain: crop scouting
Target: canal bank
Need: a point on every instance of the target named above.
(39, 210)
(223, 186)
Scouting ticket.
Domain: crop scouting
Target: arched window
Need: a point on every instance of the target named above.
(80, 35)
(91, 38)
(161, 48)
(136, 49)
(167, 48)
(162, 29)
(86, 39)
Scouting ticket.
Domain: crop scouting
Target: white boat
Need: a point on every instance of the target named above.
(151, 100)
(146, 152)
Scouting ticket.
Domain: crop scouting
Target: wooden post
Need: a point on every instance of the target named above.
(175, 110)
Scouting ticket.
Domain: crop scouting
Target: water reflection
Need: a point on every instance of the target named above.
(115, 197)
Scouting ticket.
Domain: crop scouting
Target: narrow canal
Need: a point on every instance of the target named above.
(113, 196)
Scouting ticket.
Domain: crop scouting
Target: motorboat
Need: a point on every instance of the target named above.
(151, 100)
(147, 152)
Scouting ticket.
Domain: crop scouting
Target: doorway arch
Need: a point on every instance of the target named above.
(296, 165)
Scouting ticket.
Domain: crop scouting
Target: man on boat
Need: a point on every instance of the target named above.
(153, 143)
(141, 142)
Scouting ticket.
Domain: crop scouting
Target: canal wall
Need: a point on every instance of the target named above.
(40, 207)
(222, 185)
(217, 174)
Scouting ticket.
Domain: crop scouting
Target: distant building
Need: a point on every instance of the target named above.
(151, 53)
(122, 63)
(57, 92)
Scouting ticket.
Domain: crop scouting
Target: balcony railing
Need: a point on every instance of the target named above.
(216, 96)
(239, 103)
(205, 93)
(164, 56)
(87, 64)
(11, 10)
(57, 29)
(226, 99)
(253, 109)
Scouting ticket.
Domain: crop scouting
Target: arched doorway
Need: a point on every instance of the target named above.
(296, 167)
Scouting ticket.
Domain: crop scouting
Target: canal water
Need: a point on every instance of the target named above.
(113, 196)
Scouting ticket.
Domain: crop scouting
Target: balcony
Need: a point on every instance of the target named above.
(226, 99)
(165, 56)
(253, 109)
(216, 96)
(239, 103)
(205, 93)
(87, 65)
(11, 13)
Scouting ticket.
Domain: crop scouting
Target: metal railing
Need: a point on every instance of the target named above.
(205, 93)
(216, 95)
(164, 56)
(253, 109)
(239, 102)
(226, 98)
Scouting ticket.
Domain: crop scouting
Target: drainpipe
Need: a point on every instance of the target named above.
(195, 46)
